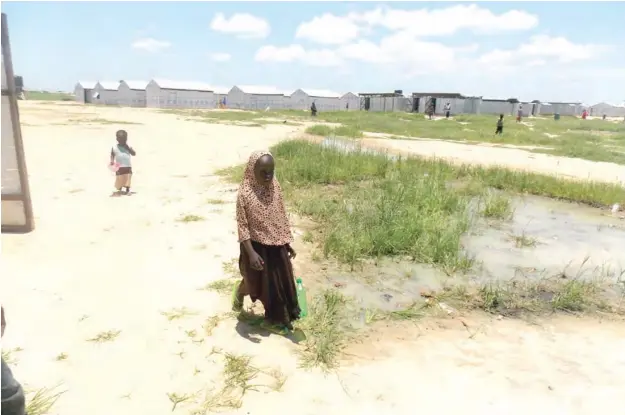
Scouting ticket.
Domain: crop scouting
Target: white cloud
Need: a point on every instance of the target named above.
(297, 53)
(332, 29)
(542, 49)
(328, 29)
(270, 53)
(401, 49)
(220, 56)
(242, 25)
(151, 45)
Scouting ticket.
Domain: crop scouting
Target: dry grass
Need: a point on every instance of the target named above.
(178, 313)
(8, 355)
(177, 399)
(105, 336)
(211, 324)
(239, 377)
(42, 401)
(224, 286)
(190, 218)
(215, 201)
(518, 298)
(523, 240)
(326, 330)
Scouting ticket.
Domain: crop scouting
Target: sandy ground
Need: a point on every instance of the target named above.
(97, 263)
(515, 158)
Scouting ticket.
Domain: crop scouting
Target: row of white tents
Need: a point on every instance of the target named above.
(161, 93)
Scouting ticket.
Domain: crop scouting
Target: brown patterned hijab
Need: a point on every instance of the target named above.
(261, 215)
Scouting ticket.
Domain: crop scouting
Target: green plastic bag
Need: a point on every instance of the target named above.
(301, 298)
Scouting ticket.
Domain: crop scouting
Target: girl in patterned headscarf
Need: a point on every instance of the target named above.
(265, 243)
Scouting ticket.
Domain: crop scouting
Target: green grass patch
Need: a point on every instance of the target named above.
(341, 131)
(326, 330)
(370, 206)
(497, 206)
(48, 96)
(100, 121)
(595, 140)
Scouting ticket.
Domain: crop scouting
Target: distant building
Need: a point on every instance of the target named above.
(255, 97)
(132, 93)
(325, 100)
(607, 109)
(162, 93)
(350, 102)
(384, 101)
(83, 91)
(106, 93)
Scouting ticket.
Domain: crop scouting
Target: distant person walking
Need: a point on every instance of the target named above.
(584, 114)
(447, 110)
(313, 109)
(499, 130)
(519, 114)
(430, 110)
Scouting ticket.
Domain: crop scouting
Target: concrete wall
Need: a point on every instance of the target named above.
(237, 99)
(327, 103)
(83, 93)
(107, 96)
(299, 100)
(496, 107)
(262, 101)
(566, 109)
(387, 104)
(131, 97)
(598, 110)
(472, 105)
(350, 102)
(157, 97)
(79, 93)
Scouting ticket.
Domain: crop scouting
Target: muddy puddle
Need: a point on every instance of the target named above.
(544, 238)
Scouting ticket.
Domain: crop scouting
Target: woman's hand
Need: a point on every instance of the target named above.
(256, 262)
(291, 252)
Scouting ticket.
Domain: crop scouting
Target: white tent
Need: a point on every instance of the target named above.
(163, 93)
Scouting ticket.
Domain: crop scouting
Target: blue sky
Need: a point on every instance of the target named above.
(538, 50)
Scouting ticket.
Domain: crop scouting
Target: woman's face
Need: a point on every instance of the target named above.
(263, 170)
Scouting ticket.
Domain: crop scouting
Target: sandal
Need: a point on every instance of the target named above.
(237, 305)
(275, 328)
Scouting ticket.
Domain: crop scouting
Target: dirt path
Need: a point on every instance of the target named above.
(96, 264)
(513, 158)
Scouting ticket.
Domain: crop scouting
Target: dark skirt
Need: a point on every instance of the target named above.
(274, 286)
(123, 170)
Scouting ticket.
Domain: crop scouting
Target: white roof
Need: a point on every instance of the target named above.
(221, 90)
(184, 85)
(109, 85)
(260, 90)
(348, 93)
(621, 105)
(321, 93)
(87, 84)
(138, 85)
